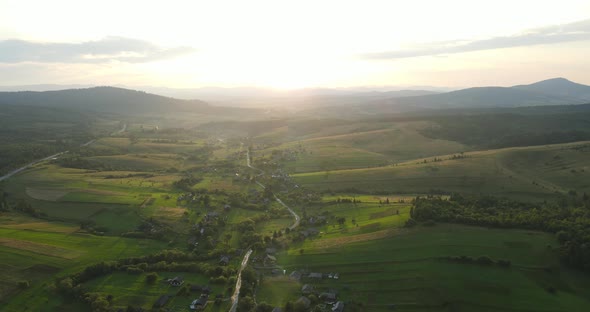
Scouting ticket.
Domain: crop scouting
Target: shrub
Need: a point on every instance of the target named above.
(484, 260)
(23, 284)
(134, 270)
(151, 278)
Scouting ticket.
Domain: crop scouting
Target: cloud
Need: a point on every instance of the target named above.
(104, 50)
(577, 31)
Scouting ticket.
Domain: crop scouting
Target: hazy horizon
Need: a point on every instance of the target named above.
(303, 44)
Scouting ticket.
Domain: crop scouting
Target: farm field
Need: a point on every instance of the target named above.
(512, 172)
(362, 147)
(42, 251)
(352, 185)
(405, 271)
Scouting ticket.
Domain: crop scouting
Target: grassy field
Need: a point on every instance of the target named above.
(530, 172)
(40, 251)
(404, 270)
(363, 146)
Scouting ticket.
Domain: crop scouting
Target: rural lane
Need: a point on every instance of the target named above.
(235, 296)
(295, 216)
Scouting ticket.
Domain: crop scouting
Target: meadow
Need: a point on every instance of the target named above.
(405, 271)
(361, 145)
(38, 251)
(525, 173)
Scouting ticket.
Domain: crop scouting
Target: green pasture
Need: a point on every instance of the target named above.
(363, 147)
(513, 172)
(404, 271)
(38, 256)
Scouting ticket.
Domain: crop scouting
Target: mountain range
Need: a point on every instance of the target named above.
(557, 91)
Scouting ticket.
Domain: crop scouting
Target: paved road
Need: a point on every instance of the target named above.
(15, 171)
(295, 216)
(236, 296)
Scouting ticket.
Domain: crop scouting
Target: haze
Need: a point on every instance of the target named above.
(293, 44)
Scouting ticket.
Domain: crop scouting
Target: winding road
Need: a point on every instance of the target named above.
(295, 216)
(236, 295)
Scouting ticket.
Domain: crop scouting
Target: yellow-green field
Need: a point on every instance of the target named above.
(517, 172)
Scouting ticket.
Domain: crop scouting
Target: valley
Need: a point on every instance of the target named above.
(408, 212)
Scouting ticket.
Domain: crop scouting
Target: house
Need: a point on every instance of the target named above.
(224, 260)
(275, 272)
(328, 297)
(162, 301)
(269, 260)
(338, 306)
(199, 304)
(303, 301)
(295, 275)
(315, 275)
(310, 232)
(271, 251)
(277, 309)
(307, 289)
(176, 281)
(196, 288)
(213, 214)
(226, 207)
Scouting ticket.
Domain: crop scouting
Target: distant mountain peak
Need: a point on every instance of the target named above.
(560, 87)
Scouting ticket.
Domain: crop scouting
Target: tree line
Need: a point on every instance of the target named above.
(568, 218)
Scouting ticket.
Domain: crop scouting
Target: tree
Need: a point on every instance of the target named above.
(151, 278)
(23, 284)
(264, 307)
(246, 304)
(227, 237)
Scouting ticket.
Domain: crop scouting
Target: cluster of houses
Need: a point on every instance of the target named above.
(297, 275)
(268, 260)
(328, 297)
(197, 304)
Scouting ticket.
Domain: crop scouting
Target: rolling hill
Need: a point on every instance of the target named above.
(103, 99)
(556, 91)
(560, 87)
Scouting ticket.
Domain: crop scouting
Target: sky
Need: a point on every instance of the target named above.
(293, 44)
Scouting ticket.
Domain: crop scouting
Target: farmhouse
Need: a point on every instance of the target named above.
(295, 275)
(199, 304)
(176, 281)
(338, 306)
(224, 260)
(307, 289)
(268, 260)
(310, 232)
(315, 275)
(304, 301)
(328, 297)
